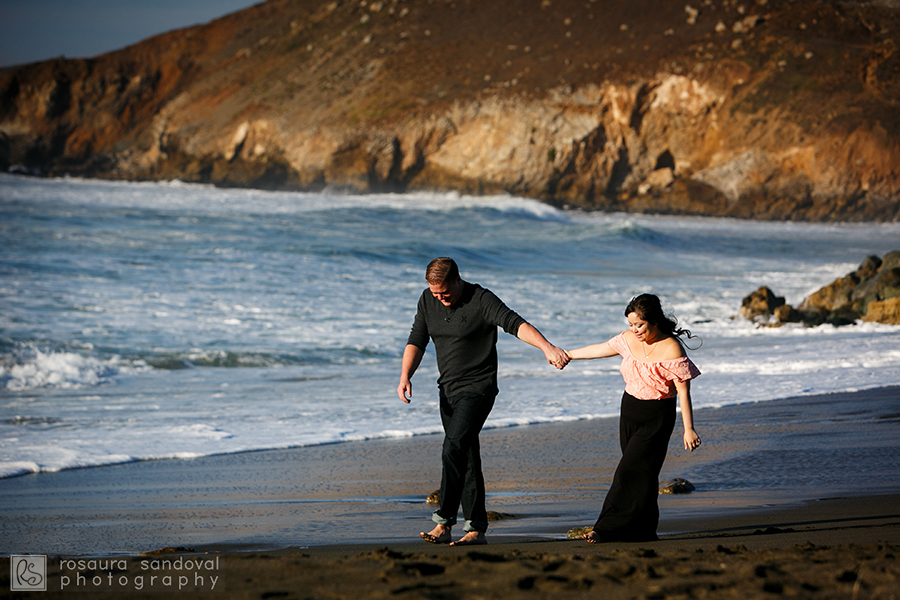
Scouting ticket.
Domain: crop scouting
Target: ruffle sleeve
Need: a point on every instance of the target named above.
(619, 344)
(679, 369)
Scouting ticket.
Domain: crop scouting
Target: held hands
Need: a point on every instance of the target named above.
(557, 357)
(691, 440)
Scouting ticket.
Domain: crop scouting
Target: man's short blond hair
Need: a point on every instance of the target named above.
(441, 270)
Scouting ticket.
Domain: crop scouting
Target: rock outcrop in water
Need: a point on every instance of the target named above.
(870, 293)
(769, 109)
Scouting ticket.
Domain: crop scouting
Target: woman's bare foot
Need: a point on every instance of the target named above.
(439, 535)
(472, 538)
(592, 537)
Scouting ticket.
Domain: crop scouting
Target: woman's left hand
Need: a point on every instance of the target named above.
(691, 440)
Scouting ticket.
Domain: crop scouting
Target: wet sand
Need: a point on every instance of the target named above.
(794, 497)
(840, 548)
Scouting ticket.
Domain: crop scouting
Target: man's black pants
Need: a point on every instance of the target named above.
(462, 482)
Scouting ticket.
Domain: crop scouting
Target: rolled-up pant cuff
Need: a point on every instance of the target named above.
(475, 526)
(442, 521)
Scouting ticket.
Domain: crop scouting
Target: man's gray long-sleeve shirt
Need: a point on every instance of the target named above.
(465, 337)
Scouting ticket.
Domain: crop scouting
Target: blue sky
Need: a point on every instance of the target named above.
(34, 30)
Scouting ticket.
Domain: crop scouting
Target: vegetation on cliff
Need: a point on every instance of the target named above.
(768, 109)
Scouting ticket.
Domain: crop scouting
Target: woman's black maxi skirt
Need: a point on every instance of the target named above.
(630, 511)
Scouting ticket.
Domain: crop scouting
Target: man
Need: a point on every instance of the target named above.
(462, 319)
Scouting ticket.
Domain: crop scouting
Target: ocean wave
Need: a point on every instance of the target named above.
(19, 467)
(631, 229)
(16, 468)
(227, 359)
(27, 367)
(176, 195)
(521, 207)
(185, 360)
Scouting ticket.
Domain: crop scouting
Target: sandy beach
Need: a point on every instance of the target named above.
(841, 548)
(796, 497)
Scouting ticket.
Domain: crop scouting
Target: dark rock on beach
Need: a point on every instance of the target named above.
(870, 293)
(676, 486)
(576, 533)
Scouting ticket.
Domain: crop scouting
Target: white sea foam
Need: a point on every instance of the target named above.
(30, 368)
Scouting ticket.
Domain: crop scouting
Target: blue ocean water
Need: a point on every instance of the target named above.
(163, 320)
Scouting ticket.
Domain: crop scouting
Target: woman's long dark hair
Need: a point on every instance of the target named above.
(649, 308)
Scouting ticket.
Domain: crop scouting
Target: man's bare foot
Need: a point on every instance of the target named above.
(472, 538)
(439, 535)
(592, 537)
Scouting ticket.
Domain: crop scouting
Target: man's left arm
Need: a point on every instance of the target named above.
(530, 335)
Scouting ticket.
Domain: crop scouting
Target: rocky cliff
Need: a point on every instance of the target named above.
(767, 109)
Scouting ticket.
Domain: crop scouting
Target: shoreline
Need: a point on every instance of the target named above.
(488, 428)
(548, 478)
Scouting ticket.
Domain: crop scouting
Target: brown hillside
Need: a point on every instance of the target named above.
(763, 109)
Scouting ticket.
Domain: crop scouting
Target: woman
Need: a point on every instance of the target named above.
(655, 369)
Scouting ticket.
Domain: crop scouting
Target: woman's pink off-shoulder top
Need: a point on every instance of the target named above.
(651, 380)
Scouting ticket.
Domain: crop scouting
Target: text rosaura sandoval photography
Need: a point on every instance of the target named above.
(180, 573)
